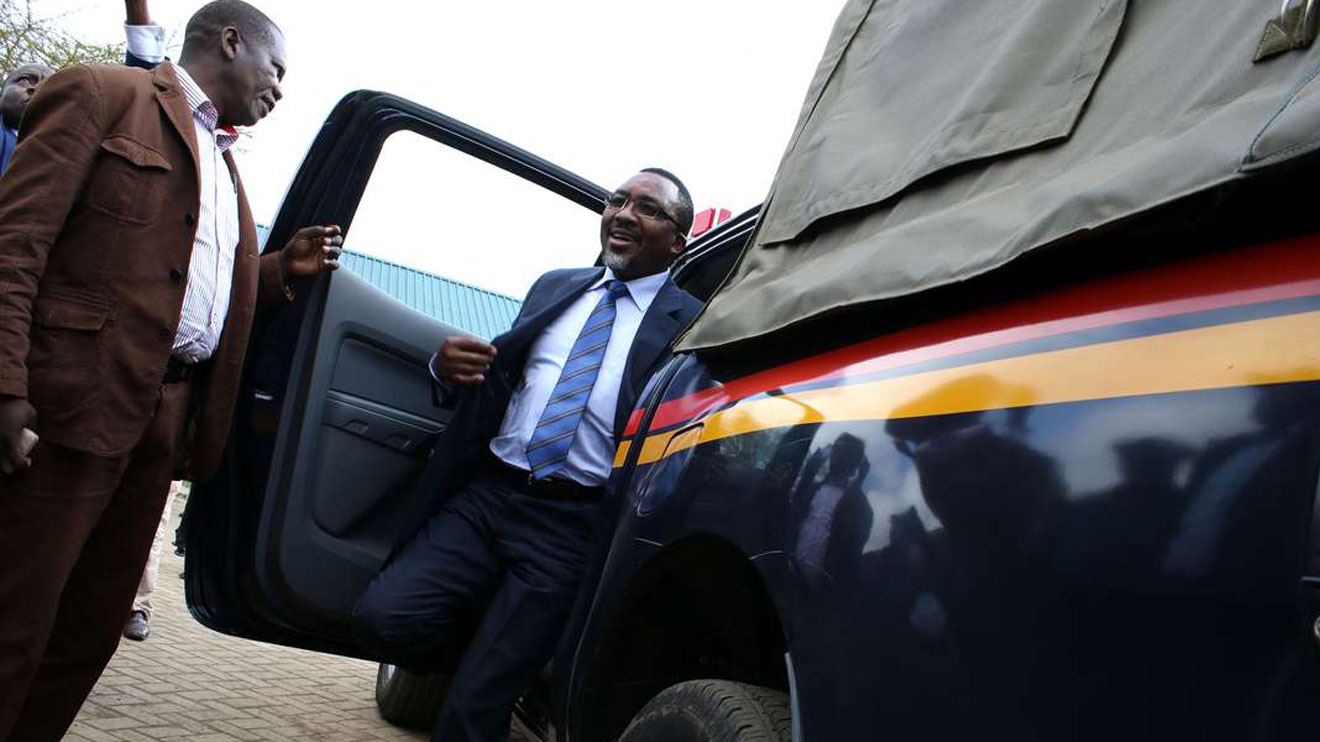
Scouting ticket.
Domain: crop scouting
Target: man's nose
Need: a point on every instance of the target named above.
(627, 210)
(279, 94)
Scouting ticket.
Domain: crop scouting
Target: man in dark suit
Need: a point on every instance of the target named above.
(19, 87)
(516, 486)
(129, 278)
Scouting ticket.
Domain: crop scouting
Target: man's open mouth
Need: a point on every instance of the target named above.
(623, 237)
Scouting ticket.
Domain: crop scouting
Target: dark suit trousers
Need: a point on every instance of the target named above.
(486, 586)
(75, 530)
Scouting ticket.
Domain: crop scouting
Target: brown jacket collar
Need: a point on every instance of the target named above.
(170, 94)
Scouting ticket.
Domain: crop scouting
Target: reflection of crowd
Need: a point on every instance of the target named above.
(829, 515)
(1048, 613)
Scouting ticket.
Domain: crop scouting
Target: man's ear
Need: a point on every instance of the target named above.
(680, 243)
(230, 41)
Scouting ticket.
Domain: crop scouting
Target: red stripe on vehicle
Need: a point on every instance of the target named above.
(1273, 272)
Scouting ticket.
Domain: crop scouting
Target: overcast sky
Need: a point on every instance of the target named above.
(707, 88)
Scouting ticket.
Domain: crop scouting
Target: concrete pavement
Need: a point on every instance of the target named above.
(186, 682)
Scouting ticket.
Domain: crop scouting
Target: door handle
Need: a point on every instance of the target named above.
(387, 427)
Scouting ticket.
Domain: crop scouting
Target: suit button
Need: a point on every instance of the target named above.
(188, 218)
(176, 275)
(165, 334)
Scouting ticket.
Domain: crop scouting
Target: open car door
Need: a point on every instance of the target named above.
(336, 417)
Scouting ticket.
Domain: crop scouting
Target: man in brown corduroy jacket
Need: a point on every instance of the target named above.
(129, 277)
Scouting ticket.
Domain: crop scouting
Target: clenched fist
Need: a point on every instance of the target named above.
(15, 414)
(463, 359)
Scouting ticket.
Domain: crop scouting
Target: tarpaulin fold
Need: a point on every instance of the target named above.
(942, 139)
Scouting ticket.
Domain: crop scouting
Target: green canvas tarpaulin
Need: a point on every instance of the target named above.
(941, 139)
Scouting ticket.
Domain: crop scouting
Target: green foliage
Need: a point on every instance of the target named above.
(27, 37)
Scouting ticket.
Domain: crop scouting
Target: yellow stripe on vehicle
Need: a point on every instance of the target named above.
(1267, 351)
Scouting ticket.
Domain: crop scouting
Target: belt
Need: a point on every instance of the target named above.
(549, 488)
(177, 371)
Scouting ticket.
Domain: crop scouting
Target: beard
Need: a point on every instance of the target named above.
(616, 262)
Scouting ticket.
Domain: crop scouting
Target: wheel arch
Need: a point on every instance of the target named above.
(697, 609)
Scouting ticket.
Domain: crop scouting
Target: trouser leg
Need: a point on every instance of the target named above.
(147, 585)
(420, 609)
(98, 593)
(46, 514)
(545, 547)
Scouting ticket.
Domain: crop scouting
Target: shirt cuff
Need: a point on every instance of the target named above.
(146, 42)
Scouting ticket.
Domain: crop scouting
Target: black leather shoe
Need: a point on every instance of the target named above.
(137, 628)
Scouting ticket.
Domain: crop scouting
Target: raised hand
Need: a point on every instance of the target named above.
(312, 250)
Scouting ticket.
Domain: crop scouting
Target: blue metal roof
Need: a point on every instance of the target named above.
(478, 311)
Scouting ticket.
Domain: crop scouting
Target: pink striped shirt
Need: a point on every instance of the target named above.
(211, 270)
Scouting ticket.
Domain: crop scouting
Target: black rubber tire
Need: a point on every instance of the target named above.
(713, 711)
(409, 700)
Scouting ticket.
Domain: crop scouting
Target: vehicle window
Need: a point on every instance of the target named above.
(438, 210)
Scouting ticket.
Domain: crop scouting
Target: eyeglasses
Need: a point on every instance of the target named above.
(647, 209)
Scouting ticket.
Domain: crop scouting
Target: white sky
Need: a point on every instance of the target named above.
(709, 89)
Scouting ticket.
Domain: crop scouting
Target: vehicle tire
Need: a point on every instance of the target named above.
(713, 711)
(407, 699)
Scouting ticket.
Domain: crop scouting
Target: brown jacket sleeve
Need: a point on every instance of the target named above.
(271, 290)
(62, 131)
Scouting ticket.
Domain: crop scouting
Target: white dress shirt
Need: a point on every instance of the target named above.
(814, 538)
(146, 42)
(591, 458)
(211, 269)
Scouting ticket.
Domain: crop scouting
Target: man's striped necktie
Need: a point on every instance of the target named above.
(547, 451)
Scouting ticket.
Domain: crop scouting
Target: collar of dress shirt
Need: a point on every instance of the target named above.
(204, 110)
(641, 290)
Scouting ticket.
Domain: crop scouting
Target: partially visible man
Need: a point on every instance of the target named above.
(129, 278)
(138, 627)
(19, 87)
(518, 484)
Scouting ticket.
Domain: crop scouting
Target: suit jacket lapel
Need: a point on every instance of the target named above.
(658, 327)
(544, 311)
(176, 107)
(7, 144)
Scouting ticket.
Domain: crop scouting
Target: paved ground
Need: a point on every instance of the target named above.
(188, 683)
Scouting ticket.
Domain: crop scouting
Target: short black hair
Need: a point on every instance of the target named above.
(685, 209)
(206, 24)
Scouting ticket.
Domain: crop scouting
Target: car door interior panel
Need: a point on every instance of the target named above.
(337, 417)
(352, 444)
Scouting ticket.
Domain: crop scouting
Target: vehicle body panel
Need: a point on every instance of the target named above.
(1083, 514)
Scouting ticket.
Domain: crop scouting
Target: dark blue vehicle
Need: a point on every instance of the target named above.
(1084, 513)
